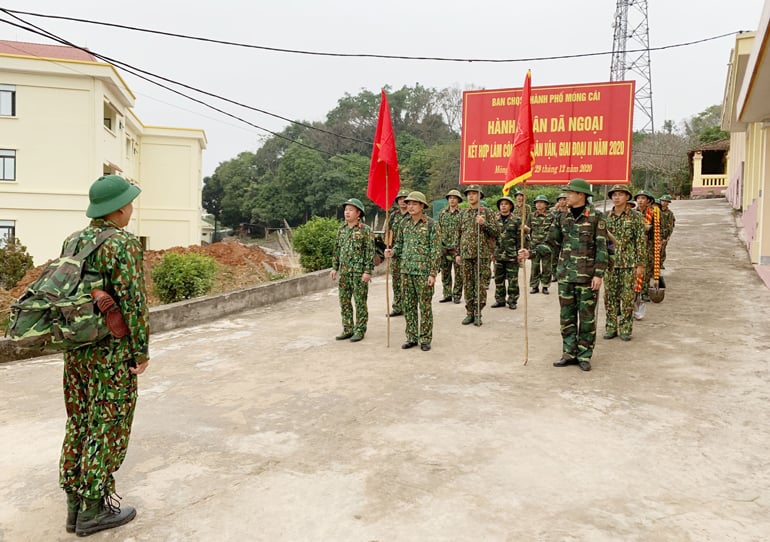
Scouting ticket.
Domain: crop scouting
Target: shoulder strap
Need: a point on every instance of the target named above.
(86, 251)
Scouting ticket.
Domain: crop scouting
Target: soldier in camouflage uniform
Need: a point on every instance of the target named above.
(448, 219)
(627, 248)
(353, 261)
(419, 246)
(100, 380)
(540, 223)
(521, 208)
(507, 255)
(580, 234)
(645, 201)
(477, 232)
(667, 225)
(398, 215)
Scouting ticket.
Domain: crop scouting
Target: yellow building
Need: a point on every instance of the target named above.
(746, 115)
(65, 120)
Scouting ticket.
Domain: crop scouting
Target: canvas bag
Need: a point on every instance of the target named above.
(57, 311)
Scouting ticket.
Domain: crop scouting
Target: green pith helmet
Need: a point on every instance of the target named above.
(454, 193)
(580, 186)
(563, 195)
(355, 202)
(665, 197)
(474, 188)
(645, 194)
(108, 194)
(417, 196)
(541, 197)
(505, 198)
(404, 192)
(518, 192)
(620, 188)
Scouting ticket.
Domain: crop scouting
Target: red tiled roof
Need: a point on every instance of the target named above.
(63, 52)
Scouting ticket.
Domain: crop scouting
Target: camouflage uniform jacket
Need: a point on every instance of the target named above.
(667, 223)
(517, 209)
(630, 246)
(540, 226)
(509, 242)
(467, 234)
(120, 262)
(583, 245)
(395, 221)
(354, 249)
(419, 246)
(447, 223)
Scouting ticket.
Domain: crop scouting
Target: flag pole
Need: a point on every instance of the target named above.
(524, 272)
(388, 243)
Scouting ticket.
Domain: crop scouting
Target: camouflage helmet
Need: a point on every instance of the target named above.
(505, 198)
(562, 195)
(454, 192)
(474, 188)
(417, 196)
(355, 202)
(108, 194)
(404, 192)
(580, 186)
(518, 192)
(645, 194)
(542, 197)
(665, 197)
(620, 188)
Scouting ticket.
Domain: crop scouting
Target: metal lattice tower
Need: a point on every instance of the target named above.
(631, 53)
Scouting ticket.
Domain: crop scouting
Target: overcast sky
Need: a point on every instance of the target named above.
(684, 80)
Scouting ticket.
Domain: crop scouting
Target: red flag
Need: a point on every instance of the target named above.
(384, 180)
(522, 159)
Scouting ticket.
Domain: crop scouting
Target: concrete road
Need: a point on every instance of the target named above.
(263, 427)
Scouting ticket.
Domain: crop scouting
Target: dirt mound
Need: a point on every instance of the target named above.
(239, 266)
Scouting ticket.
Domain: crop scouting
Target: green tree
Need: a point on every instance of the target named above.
(15, 261)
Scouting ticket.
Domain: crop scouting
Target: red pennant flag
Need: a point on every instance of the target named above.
(522, 160)
(384, 180)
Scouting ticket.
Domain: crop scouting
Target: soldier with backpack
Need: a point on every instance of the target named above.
(100, 380)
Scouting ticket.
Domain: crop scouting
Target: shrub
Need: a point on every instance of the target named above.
(15, 261)
(314, 241)
(183, 276)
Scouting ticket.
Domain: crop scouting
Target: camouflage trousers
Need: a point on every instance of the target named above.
(554, 262)
(663, 252)
(619, 299)
(577, 318)
(541, 270)
(507, 271)
(398, 289)
(353, 290)
(448, 290)
(418, 309)
(649, 269)
(475, 290)
(100, 397)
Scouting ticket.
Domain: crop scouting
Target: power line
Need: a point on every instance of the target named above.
(360, 55)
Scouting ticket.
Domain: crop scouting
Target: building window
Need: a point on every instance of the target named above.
(7, 165)
(7, 231)
(7, 101)
(110, 116)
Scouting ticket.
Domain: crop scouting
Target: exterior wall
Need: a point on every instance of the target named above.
(735, 163)
(62, 145)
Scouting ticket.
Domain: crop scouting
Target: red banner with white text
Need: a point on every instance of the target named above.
(581, 130)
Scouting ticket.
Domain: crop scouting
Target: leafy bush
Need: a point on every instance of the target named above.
(183, 276)
(15, 261)
(315, 242)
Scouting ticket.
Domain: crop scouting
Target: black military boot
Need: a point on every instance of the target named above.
(73, 504)
(100, 514)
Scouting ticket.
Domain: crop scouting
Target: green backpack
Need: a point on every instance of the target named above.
(57, 311)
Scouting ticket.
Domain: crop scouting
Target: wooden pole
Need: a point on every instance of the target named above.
(388, 242)
(524, 274)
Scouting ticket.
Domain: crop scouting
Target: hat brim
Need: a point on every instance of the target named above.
(630, 195)
(106, 207)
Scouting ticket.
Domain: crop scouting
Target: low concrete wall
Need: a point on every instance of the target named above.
(204, 309)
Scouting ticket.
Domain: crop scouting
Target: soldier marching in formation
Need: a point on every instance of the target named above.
(540, 223)
(448, 219)
(419, 246)
(477, 232)
(507, 255)
(627, 247)
(667, 225)
(644, 202)
(353, 261)
(398, 214)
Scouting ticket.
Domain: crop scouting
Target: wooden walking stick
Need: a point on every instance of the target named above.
(524, 271)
